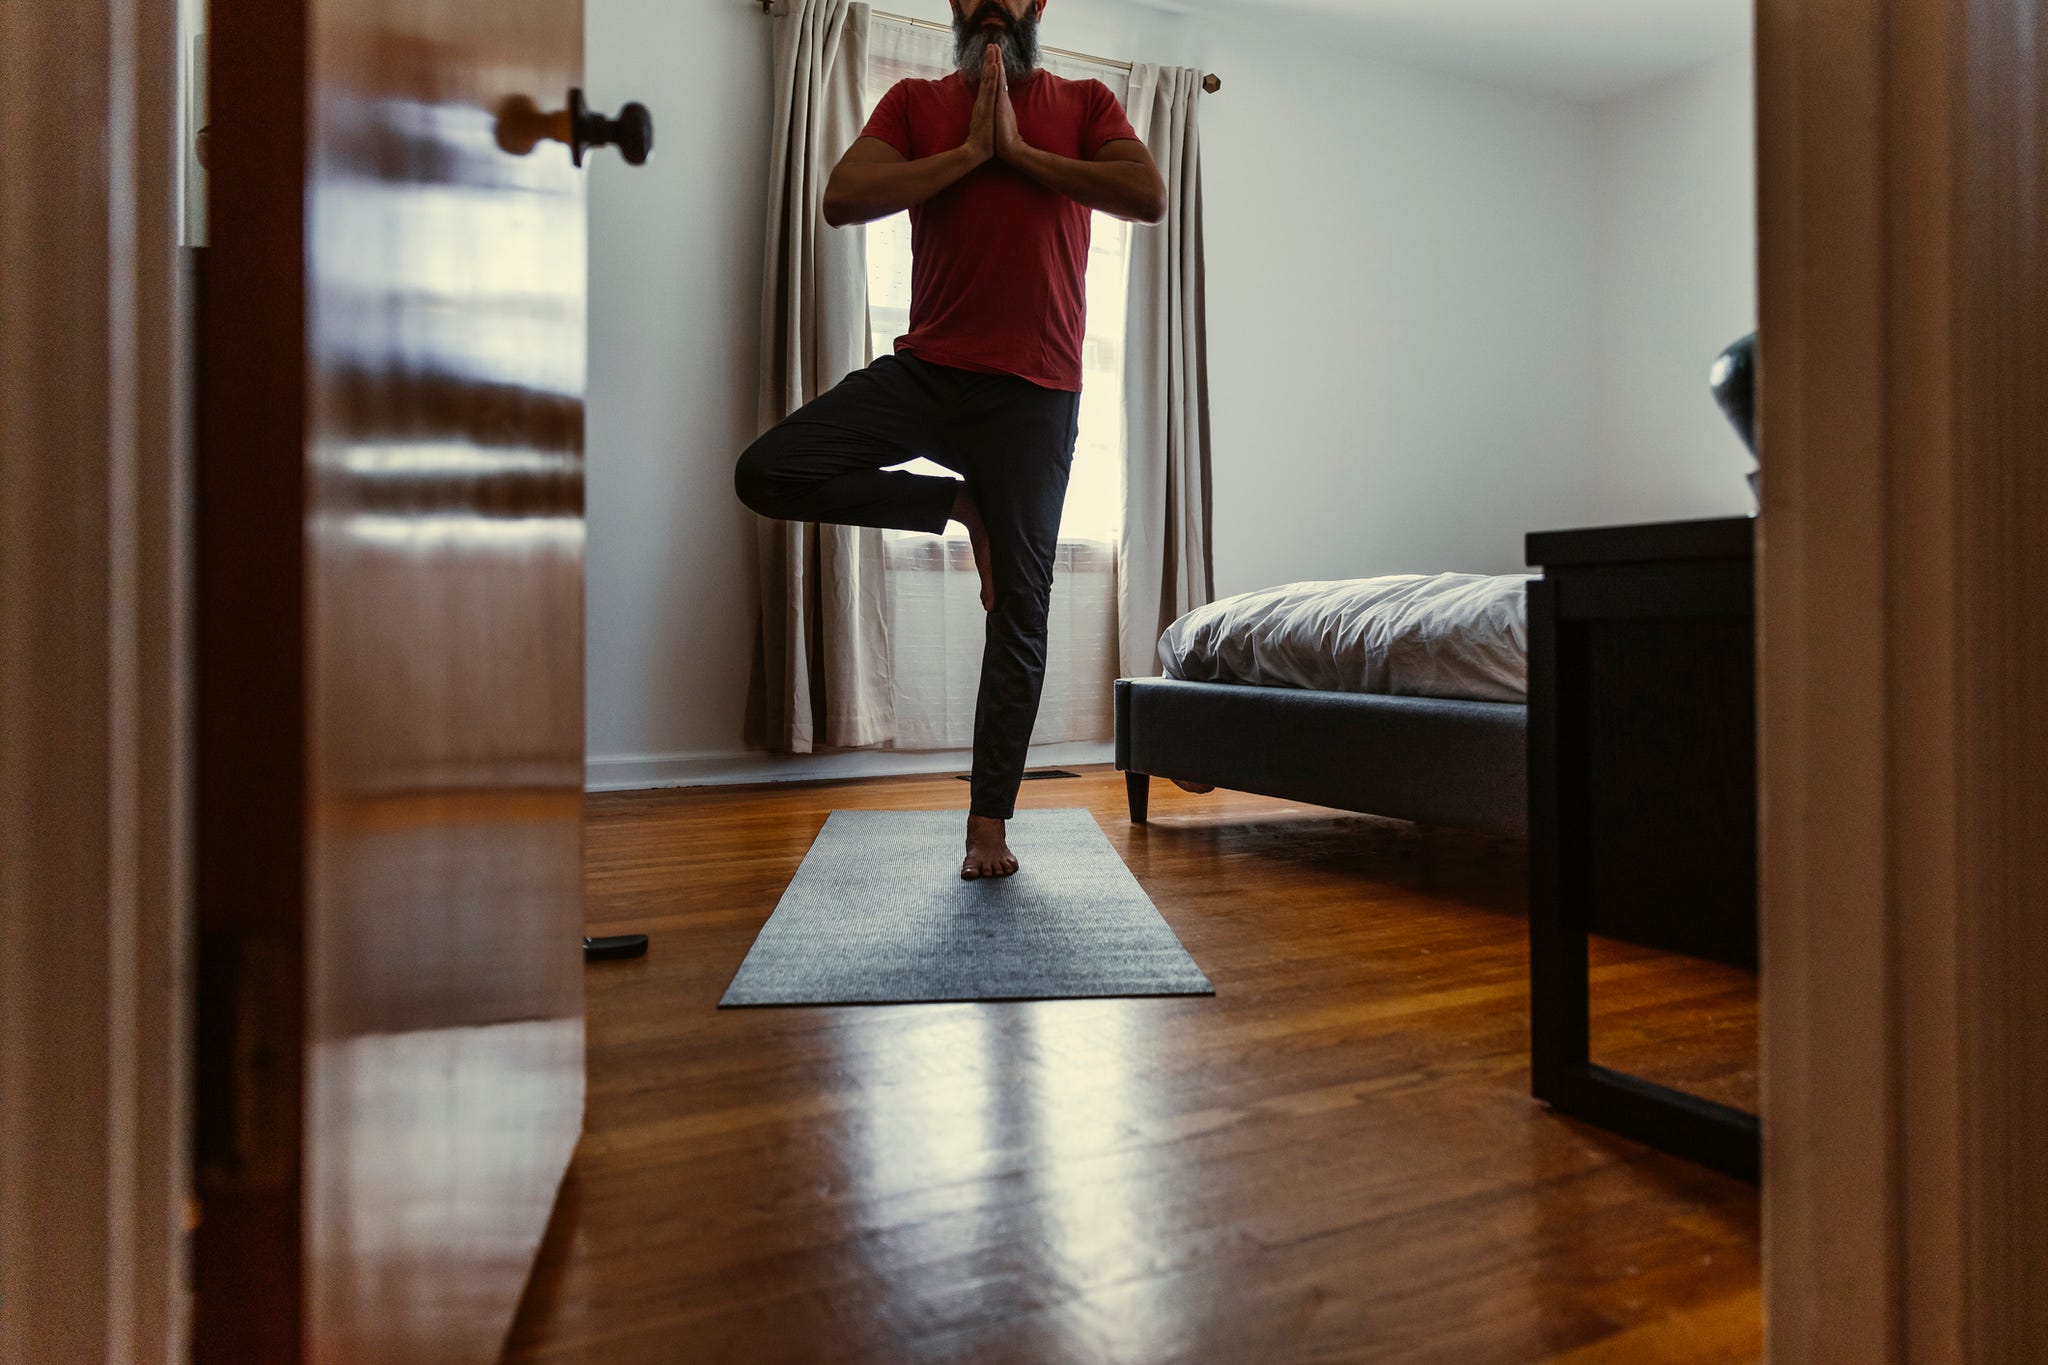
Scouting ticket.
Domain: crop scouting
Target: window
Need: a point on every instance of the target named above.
(932, 599)
(1095, 488)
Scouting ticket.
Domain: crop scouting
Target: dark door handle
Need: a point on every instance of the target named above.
(522, 126)
(632, 132)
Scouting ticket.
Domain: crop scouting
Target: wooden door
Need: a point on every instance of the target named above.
(390, 539)
(1903, 674)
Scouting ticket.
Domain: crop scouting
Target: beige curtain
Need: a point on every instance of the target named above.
(821, 669)
(1164, 566)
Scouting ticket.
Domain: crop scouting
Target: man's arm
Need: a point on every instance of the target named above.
(874, 180)
(1121, 180)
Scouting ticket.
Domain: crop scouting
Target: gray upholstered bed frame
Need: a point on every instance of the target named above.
(1436, 762)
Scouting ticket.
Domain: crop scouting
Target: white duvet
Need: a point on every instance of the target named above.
(1423, 635)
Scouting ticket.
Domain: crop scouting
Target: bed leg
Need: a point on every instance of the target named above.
(1138, 787)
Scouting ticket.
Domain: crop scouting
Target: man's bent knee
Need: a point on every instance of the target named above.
(753, 477)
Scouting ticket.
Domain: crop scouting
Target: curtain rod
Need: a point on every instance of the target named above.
(1211, 82)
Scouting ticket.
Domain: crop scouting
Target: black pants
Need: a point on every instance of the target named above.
(1012, 440)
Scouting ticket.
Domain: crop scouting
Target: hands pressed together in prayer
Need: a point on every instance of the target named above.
(1120, 180)
(992, 133)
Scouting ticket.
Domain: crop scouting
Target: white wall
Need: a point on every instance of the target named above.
(1401, 284)
(1399, 264)
(1676, 241)
(675, 298)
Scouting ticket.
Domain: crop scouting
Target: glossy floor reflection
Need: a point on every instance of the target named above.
(1334, 1159)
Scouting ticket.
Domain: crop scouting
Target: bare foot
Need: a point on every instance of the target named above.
(988, 852)
(967, 514)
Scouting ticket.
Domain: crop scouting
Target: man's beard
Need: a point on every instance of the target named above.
(1017, 40)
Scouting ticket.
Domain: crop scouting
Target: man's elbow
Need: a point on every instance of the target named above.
(838, 205)
(1153, 208)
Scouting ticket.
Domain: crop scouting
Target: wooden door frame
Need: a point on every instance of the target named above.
(1902, 369)
(94, 679)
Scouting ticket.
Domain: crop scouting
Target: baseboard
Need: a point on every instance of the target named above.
(641, 772)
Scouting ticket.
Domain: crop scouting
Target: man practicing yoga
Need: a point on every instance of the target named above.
(1000, 165)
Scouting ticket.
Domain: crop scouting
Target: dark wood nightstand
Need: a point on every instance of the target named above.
(1642, 797)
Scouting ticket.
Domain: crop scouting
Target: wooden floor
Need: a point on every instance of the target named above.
(1334, 1159)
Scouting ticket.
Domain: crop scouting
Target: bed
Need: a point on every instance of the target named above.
(1402, 696)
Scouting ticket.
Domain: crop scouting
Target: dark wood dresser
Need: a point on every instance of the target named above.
(1642, 796)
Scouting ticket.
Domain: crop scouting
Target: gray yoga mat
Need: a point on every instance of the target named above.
(877, 913)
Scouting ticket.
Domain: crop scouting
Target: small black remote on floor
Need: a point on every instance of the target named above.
(614, 946)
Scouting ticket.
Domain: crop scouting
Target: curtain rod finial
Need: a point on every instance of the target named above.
(1211, 82)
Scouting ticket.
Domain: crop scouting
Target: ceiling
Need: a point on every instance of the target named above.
(1576, 49)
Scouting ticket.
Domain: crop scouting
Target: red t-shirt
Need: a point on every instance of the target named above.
(998, 261)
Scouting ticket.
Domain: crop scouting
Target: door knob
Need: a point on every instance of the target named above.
(632, 132)
(522, 125)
